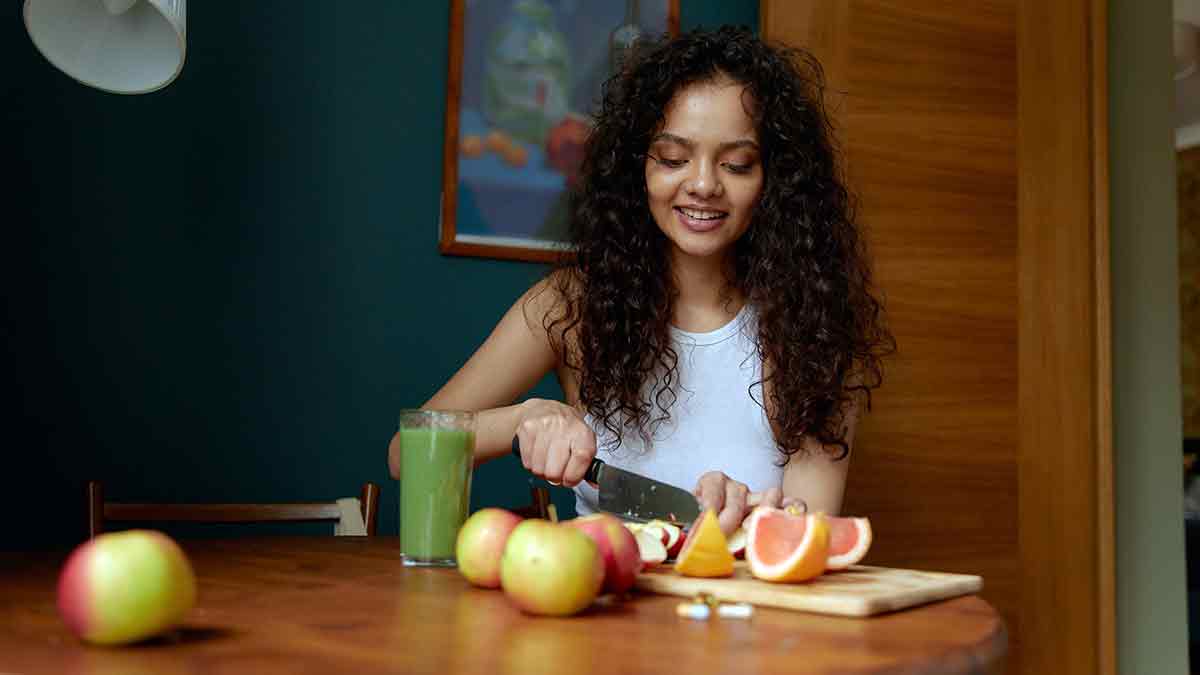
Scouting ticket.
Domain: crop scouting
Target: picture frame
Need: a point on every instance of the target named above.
(524, 77)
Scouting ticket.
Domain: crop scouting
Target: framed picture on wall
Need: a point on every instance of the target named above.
(524, 78)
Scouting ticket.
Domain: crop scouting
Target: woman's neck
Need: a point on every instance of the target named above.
(707, 299)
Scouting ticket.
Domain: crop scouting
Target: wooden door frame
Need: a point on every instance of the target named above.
(1065, 475)
(1066, 526)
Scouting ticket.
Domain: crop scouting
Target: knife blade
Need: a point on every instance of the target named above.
(635, 497)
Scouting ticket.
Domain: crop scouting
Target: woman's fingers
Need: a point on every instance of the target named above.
(730, 499)
(583, 451)
(710, 491)
(772, 498)
(557, 455)
(537, 455)
(796, 502)
(525, 438)
(734, 510)
(556, 444)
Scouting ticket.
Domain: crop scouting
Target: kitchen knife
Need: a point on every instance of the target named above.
(634, 497)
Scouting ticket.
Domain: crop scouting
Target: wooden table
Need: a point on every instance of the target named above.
(346, 605)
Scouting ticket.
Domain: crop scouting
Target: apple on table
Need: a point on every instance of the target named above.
(550, 568)
(618, 546)
(122, 587)
(480, 545)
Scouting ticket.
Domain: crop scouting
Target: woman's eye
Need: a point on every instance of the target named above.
(670, 163)
(738, 168)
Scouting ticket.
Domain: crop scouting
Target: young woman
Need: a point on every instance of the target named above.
(715, 326)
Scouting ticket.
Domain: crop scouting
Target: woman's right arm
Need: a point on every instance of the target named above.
(556, 444)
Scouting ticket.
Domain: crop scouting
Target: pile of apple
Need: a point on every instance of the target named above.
(557, 568)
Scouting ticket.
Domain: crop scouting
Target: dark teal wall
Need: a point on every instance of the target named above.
(227, 289)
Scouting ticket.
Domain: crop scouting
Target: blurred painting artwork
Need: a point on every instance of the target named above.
(525, 77)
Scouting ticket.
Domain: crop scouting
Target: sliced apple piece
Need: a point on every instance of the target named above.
(674, 551)
(674, 539)
(737, 543)
(650, 547)
(655, 527)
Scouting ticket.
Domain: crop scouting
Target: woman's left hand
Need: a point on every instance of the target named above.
(731, 500)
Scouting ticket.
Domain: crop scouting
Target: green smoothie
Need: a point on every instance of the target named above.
(435, 491)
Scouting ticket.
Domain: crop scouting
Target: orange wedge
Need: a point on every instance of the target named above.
(785, 547)
(705, 553)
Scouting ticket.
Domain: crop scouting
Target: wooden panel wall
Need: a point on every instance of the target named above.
(925, 94)
(976, 134)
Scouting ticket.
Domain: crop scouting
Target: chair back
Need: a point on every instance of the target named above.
(350, 516)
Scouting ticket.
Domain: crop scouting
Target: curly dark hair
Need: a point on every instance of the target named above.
(802, 263)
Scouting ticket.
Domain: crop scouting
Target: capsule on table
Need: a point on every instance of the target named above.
(692, 610)
(739, 610)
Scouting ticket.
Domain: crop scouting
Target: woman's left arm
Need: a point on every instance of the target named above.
(815, 477)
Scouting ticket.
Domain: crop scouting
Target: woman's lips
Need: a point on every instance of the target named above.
(700, 220)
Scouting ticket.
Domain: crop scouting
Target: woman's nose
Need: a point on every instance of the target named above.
(703, 183)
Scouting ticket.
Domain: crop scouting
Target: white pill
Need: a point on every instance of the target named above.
(740, 610)
(690, 610)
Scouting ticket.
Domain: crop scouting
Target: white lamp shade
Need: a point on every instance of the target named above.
(120, 46)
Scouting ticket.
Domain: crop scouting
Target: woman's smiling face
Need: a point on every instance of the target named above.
(704, 173)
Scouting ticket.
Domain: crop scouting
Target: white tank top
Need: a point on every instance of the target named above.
(715, 425)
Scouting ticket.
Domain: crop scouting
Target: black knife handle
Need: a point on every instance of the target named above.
(593, 472)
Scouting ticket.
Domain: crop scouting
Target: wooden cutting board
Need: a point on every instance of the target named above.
(858, 591)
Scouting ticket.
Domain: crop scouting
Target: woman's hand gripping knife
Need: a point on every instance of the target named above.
(555, 443)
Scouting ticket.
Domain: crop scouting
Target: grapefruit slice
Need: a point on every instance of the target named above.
(705, 552)
(849, 541)
(784, 547)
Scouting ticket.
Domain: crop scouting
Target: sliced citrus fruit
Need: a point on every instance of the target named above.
(705, 552)
(849, 540)
(784, 547)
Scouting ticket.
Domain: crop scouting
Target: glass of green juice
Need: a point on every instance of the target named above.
(437, 449)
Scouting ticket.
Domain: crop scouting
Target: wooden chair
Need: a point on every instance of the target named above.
(100, 511)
